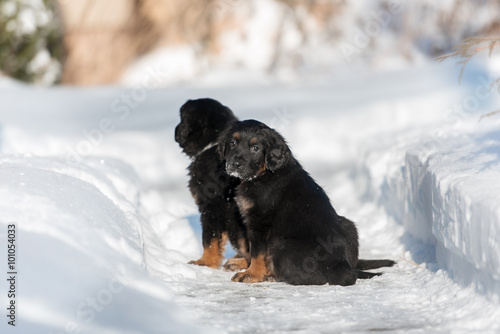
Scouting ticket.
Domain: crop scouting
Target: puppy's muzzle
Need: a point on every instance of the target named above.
(234, 166)
(180, 135)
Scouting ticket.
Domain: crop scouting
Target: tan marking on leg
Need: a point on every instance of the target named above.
(257, 272)
(213, 254)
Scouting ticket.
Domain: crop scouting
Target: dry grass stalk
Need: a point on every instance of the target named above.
(469, 48)
(410, 262)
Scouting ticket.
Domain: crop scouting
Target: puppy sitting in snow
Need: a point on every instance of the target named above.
(201, 123)
(295, 235)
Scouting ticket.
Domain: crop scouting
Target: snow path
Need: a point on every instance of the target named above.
(406, 299)
(356, 134)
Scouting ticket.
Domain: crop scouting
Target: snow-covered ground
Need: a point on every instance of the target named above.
(96, 187)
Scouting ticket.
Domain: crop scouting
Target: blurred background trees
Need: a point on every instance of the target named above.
(88, 42)
(31, 40)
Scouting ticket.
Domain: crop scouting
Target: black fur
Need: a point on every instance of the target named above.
(201, 123)
(290, 220)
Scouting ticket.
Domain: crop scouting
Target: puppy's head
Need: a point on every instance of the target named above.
(202, 121)
(250, 149)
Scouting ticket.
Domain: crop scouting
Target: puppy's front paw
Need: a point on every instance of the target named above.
(247, 277)
(236, 264)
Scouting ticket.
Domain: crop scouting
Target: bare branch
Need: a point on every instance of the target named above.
(488, 115)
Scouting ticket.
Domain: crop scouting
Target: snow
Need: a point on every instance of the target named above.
(106, 224)
(451, 200)
(185, 67)
(82, 251)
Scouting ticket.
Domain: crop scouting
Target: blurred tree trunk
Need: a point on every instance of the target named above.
(103, 37)
(98, 40)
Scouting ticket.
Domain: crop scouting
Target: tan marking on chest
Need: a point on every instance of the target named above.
(244, 204)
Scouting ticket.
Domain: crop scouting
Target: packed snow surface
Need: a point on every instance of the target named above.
(97, 190)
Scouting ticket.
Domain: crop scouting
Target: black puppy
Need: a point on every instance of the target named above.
(294, 233)
(202, 121)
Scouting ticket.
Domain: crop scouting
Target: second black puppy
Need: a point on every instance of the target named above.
(294, 233)
(202, 121)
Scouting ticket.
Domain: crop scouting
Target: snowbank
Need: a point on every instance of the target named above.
(82, 259)
(447, 195)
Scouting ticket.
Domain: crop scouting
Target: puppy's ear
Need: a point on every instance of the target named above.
(278, 153)
(221, 147)
(222, 141)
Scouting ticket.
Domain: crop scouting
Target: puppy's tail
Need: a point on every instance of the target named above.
(374, 264)
(365, 275)
(371, 264)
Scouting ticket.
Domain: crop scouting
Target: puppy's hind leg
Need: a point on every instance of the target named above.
(298, 264)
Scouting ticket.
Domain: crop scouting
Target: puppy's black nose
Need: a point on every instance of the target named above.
(233, 165)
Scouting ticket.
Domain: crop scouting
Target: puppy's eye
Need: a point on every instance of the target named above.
(255, 148)
(232, 143)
